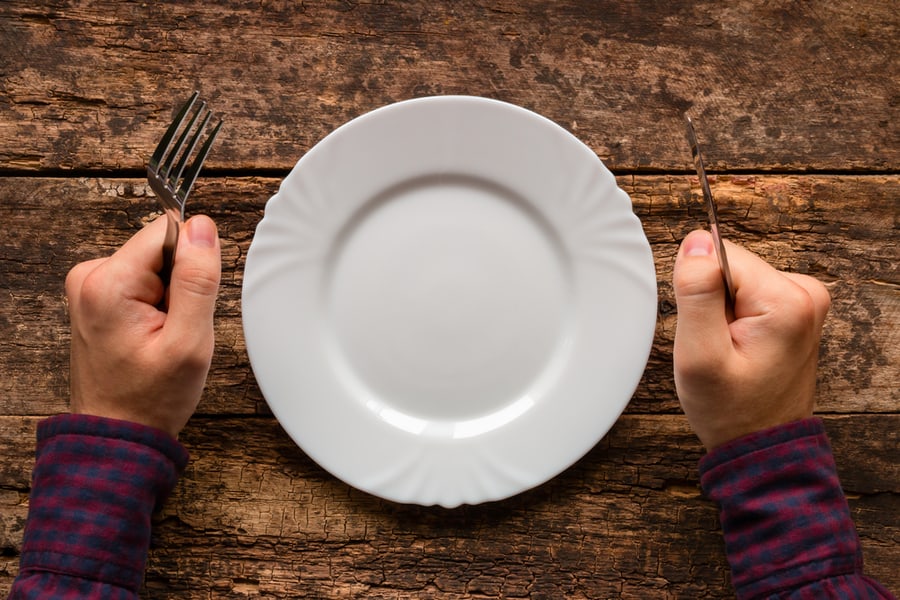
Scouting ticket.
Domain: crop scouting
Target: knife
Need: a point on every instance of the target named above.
(711, 211)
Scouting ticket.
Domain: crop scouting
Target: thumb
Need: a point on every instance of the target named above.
(195, 276)
(702, 328)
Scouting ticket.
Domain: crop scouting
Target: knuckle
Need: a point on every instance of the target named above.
(693, 282)
(198, 281)
(76, 277)
(800, 311)
(816, 291)
(821, 296)
(94, 292)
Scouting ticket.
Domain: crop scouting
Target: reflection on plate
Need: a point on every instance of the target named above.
(448, 301)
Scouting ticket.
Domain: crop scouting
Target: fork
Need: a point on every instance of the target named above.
(169, 175)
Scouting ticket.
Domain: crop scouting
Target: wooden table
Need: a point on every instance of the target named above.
(797, 105)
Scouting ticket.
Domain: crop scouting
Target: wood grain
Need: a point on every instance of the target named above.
(839, 229)
(799, 86)
(796, 105)
(614, 525)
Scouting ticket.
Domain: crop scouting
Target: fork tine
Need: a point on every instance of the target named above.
(175, 151)
(170, 132)
(191, 175)
(171, 195)
(186, 154)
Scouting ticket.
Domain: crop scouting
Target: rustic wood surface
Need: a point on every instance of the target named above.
(797, 107)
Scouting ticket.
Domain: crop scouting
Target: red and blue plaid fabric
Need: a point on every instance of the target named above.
(95, 485)
(787, 526)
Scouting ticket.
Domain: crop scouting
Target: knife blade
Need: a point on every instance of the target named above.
(712, 212)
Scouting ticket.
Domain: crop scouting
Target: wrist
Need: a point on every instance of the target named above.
(723, 426)
(154, 415)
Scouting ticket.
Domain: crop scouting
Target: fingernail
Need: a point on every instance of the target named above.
(202, 232)
(698, 245)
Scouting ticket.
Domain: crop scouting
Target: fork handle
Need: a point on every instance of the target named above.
(168, 251)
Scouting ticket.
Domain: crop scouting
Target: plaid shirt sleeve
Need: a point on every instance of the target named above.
(787, 526)
(95, 485)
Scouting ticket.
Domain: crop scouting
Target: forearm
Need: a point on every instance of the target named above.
(95, 485)
(787, 526)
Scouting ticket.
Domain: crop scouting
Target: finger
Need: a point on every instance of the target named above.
(133, 270)
(817, 292)
(75, 282)
(77, 274)
(195, 277)
(144, 248)
(759, 287)
(702, 328)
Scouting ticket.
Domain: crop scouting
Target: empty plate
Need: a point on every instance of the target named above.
(449, 300)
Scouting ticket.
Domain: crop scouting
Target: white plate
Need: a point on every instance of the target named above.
(448, 301)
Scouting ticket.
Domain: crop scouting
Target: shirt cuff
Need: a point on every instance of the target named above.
(95, 485)
(784, 516)
(761, 440)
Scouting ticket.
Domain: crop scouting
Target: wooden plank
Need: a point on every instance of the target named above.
(254, 517)
(811, 85)
(806, 87)
(841, 229)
